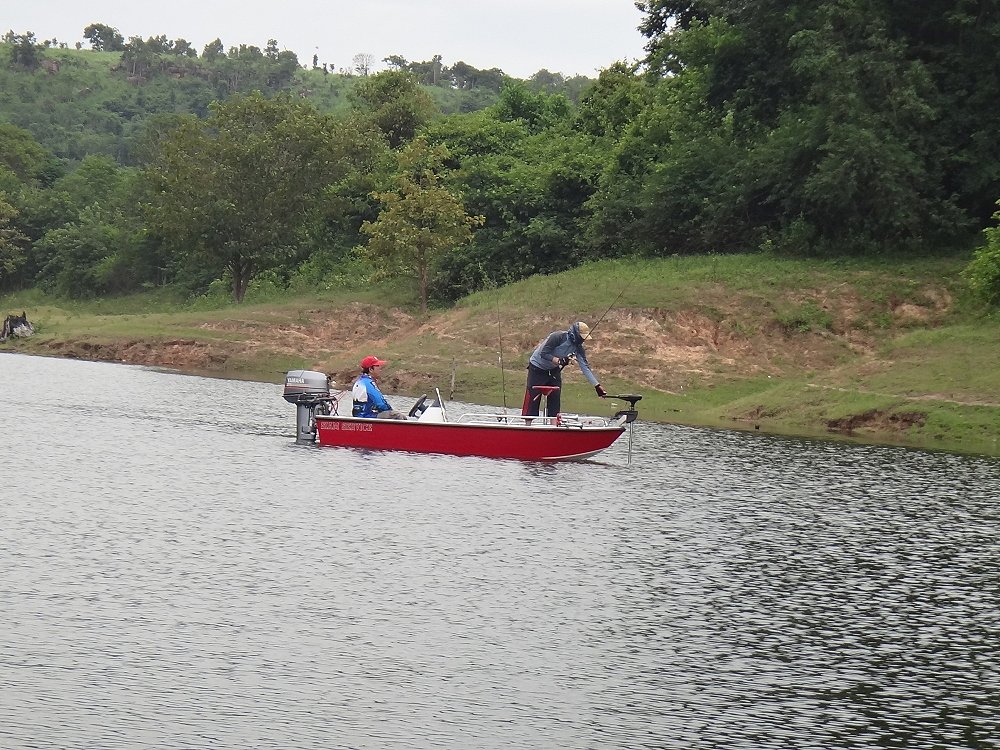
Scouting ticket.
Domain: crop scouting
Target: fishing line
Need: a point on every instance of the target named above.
(611, 307)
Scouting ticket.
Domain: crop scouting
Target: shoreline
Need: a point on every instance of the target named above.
(862, 352)
(250, 372)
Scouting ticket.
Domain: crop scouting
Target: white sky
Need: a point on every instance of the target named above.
(519, 36)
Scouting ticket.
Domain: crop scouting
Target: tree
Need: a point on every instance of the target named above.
(662, 15)
(139, 56)
(396, 62)
(160, 45)
(420, 221)
(213, 51)
(956, 44)
(183, 48)
(466, 77)
(76, 254)
(613, 101)
(532, 189)
(868, 177)
(395, 104)
(244, 68)
(803, 126)
(363, 63)
(26, 52)
(463, 75)
(536, 110)
(235, 190)
(22, 154)
(95, 180)
(104, 38)
(545, 80)
(12, 244)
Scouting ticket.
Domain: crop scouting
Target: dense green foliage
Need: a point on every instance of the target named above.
(983, 273)
(420, 220)
(829, 127)
(234, 192)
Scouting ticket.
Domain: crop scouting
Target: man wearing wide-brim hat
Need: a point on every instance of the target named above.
(547, 362)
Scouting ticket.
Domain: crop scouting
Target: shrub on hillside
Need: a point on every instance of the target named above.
(983, 273)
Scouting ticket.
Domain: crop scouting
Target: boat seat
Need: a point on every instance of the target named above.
(545, 390)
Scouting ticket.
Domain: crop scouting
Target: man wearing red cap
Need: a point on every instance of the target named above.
(368, 399)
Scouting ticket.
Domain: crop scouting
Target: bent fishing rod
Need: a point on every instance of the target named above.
(612, 305)
(593, 328)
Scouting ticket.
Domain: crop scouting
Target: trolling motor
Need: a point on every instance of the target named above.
(310, 392)
(631, 413)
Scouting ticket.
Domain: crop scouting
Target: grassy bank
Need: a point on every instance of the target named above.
(859, 350)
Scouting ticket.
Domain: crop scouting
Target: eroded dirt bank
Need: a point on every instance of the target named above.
(649, 347)
(653, 348)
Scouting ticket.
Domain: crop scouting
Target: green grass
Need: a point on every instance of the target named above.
(679, 282)
(958, 362)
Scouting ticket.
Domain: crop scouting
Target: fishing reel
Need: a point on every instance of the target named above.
(565, 361)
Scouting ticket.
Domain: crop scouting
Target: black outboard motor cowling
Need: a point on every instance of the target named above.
(310, 392)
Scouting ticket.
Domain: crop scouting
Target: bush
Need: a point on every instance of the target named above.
(218, 295)
(983, 273)
(266, 286)
(808, 316)
(329, 269)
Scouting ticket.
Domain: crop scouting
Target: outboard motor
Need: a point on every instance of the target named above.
(310, 392)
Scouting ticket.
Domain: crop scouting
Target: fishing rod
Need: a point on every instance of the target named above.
(593, 328)
(611, 306)
(503, 382)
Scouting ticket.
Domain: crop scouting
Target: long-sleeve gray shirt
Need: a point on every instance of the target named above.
(562, 344)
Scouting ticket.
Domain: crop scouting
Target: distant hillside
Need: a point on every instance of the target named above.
(80, 102)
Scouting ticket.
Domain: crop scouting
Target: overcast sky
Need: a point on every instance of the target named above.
(519, 36)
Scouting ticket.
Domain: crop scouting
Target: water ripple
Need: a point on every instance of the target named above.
(175, 573)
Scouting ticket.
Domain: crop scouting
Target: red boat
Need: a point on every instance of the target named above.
(429, 429)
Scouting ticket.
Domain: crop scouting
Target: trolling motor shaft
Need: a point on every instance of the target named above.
(630, 414)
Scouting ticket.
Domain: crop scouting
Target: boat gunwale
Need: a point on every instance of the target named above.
(617, 425)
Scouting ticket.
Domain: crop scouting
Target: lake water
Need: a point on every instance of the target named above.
(176, 573)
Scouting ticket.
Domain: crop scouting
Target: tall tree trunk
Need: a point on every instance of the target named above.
(241, 271)
(423, 288)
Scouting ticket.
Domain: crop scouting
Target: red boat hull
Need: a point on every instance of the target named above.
(538, 443)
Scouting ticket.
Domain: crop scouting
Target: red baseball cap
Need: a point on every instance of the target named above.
(371, 361)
